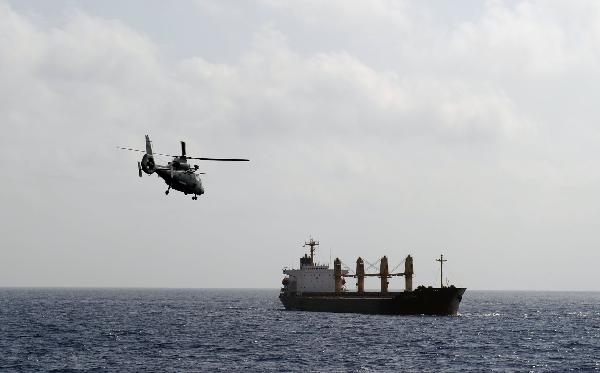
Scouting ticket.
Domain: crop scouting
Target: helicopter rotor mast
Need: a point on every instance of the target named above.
(183, 150)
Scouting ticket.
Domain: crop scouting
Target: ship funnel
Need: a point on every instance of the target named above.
(384, 273)
(337, 269)
(360, 275)
(408, 273)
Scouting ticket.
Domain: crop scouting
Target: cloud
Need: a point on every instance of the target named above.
(90, 65)
(390, 126)
(370, 17)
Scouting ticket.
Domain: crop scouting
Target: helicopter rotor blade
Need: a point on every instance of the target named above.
(133, 150)
(220, 159)
(183, 154)
(143, 151)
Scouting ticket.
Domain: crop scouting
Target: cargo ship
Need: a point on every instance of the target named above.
(316, 287)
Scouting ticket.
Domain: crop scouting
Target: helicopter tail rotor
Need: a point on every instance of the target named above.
(147, 164)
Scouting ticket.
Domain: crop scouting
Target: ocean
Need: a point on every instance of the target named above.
(193, 330)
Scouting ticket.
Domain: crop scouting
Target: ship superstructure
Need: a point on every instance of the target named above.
(311, 277)
(316, 287)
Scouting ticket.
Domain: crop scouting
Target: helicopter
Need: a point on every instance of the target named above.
(178, 174)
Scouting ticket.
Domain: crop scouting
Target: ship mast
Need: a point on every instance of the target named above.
(441, 260)
(312, 243)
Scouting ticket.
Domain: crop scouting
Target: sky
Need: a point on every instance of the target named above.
(379, 127)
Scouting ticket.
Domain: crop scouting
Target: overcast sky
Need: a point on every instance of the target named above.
(381, 128)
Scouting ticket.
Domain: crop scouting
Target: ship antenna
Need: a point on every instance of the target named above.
(312, 243)
(441, 260)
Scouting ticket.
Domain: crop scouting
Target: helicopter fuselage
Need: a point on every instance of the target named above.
(184, 181)
(178, 174)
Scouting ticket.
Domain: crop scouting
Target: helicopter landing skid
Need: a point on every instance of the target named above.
(167, 191)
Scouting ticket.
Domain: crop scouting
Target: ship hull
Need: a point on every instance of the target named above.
(422, 301)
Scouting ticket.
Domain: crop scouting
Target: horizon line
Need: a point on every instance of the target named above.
(260, 288)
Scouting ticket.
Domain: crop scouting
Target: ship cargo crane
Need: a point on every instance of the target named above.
(383, 273)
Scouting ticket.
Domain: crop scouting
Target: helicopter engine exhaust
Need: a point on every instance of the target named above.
(147, 164)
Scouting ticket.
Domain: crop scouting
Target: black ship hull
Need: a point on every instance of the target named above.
(422, 301)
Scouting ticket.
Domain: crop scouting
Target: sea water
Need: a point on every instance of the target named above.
(188, 330)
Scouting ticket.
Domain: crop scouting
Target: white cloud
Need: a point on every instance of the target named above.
(347, 15)
(449, 143)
